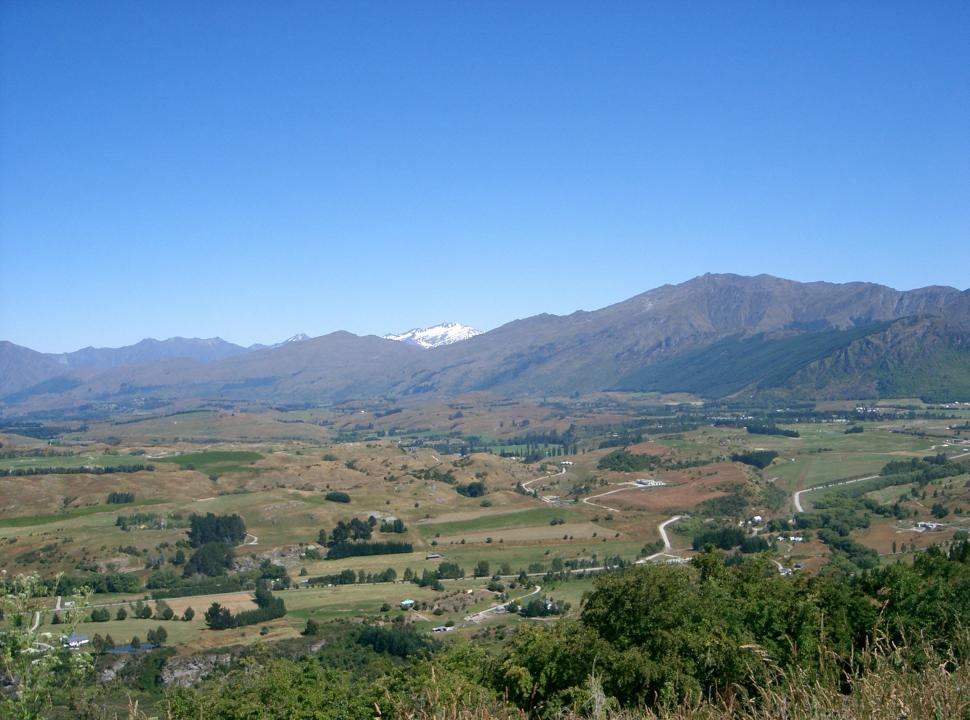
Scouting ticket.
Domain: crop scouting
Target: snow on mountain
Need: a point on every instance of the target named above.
(299, 337)
(436, 336)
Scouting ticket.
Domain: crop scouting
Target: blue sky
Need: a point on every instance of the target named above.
(256, 169)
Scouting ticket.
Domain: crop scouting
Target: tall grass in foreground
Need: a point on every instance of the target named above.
(880, 684)
(884, 683)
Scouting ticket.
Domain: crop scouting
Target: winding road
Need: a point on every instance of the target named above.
(625, 486)
(527, 483)
(254, 539)
(662, 528)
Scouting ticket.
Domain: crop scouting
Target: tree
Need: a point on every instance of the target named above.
(312, 627)
(218, 617)
(41, 674)
(121, 614)
(482, 569)
(188, 614)
(212, 558)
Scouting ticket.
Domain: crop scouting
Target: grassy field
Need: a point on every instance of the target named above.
(278, 467)
(216, 461)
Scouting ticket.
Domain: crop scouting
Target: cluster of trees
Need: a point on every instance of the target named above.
(120, 498)
(625, 461)
(393, 526)
(922, 471)
(80, 470)
(756, 458)
(214, 537)
(759, 429)
(435, 475)
(208, 528)
(471, 489)
(854, 429)
(349, 577)
(447, 570)
(337, 496)
(729, 537)
(150, 519)
(540, 607)
(212, 558)
(347, 530)
(397, 639)
(108, 582)
(268, 607)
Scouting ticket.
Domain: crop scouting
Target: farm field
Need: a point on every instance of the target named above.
(564, 510)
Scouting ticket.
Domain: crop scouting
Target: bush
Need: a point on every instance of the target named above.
(337, 496)
(472, 489)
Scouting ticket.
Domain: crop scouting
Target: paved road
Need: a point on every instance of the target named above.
(797, 497)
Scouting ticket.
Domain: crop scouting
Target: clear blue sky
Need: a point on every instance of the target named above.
(257, 169)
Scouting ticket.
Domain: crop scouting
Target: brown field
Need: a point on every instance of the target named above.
(688, 488)
(650, 448)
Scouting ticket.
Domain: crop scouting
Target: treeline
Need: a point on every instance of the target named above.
(120, 498)
(268, 607)
(771, 430)
(80, 470)
(109, 582)
(352, 549)
(349, 577)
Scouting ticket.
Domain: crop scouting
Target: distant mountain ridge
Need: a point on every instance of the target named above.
(436, 335)
(150, 350)
(717, 336)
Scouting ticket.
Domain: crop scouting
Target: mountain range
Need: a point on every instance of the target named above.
(716, 336)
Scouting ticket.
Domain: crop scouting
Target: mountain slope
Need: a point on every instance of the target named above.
(150, 350)
(22, 368)
(589, 351)
(715, 335)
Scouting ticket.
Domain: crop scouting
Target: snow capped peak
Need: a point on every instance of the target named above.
(299, 337)
(436, 336)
